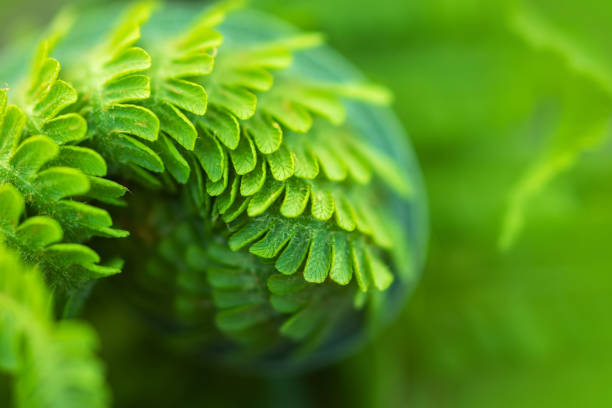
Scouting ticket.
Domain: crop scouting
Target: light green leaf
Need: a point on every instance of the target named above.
(11, 127)
(341, 270)
(322, 203)
(225, 200)
(319, 258)
(306, 164)
(61, 182)
(281, 162)
(380, 273)
(265, 197)
(129, 61)
(133, 120)
(191, 65)
(331, 164)
(253, 78)
(176, 125)
(239, 101)
(60, 96)
(359, 266)
(216, 188)
(32, 154)
(130, 150)
(45, 76)
(38, 232)
(211, 155)
(66, 128)
(296, 198)
(87, 160)
(247, 234)
(384, 167)
(270, 245)
(12, 205)
(323, 104)
(223, 126)
(174, 161)
(254, 181)
(266, 133)
(106, 191)
(293, 116)
(184, 94)
(244, 157)
(125, 89)
(294, 254)
(345, 213)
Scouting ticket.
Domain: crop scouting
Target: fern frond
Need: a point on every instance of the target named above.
(111, 81)
(37, 168)
(38, 240)
(53, 364)
(29, 164)
(277, 213)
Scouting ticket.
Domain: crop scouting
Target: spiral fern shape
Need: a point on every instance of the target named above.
(255, 190)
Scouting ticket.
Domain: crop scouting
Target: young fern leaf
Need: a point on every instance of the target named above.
(177, 98)
(38, 239)
(28, 163)
(53, 364)
(111, 81)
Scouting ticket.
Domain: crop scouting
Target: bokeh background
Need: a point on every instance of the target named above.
(508, 107)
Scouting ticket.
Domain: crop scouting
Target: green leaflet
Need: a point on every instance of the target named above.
(112, 81)
(265, 197)
(223, 126)
(308, 245)
(341, 271)
(270, 245)
(282, 163)
(211, 155)
(244, 157)
(21, 164)
(296, 198)
(125, 89)
(294, 254)
(34, 345)
(319, 259)
(267, 134)
(66, 128)
(322, 204)
(86, 160)
(254, 181)
(173, 160)
(37, 239)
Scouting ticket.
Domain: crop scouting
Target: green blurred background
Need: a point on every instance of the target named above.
(508, 107)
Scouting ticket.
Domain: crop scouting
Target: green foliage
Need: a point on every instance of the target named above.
(266, 210)
(52, 364)
(37, 171)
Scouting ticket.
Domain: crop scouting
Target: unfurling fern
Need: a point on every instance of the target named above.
(276, 208)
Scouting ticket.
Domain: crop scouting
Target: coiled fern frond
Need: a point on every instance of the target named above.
(266, 213)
